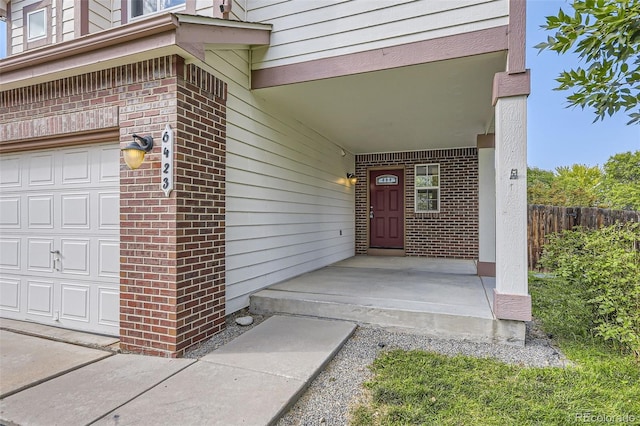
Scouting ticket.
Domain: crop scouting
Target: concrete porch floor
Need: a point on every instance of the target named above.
(442, 298)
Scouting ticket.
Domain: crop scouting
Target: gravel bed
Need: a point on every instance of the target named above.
(231, 331)
(338, 387)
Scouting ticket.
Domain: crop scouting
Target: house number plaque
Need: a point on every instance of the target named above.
(166, 171)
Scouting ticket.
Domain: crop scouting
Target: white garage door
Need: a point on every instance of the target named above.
(60, 237)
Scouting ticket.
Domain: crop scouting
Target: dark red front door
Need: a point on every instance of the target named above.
(386, 210)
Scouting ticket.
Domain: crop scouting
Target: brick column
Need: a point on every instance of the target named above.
(200, 216)
(172, 293)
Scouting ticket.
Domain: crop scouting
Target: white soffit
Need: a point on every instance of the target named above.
(436, 105)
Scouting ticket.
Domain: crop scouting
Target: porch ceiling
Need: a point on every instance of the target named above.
(435, 105)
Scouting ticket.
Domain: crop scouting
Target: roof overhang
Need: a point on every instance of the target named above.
(186, 35)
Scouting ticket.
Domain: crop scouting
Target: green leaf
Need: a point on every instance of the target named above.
(605, 34)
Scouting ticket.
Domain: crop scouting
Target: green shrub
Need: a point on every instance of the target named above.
(604, 267)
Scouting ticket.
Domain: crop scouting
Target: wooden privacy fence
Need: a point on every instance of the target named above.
(545, 220)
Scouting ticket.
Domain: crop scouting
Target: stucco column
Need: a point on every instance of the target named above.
(511, 298)
(486, 205)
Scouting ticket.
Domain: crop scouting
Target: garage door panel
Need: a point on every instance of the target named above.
(39, 256)
(40, 298)
(10, 172)
(10, 213)
(40, 211)
(108, 210)
(108, 306)
(75, 256)
(75, 211)
(108, 258)
(109, 165)
(76, 167)
(41, 169)
(10, 294)
(75, 302)
(10, 253)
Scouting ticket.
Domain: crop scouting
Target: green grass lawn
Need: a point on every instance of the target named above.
(602, 387)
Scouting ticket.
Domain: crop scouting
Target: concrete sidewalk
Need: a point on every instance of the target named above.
(250, 381)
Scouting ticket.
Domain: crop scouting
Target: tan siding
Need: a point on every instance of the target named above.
(116, 14)
(99, 15)
(286, 197)
(313, 29)
(15, 45)
(238, 10)
(18, 31)
(68, 24)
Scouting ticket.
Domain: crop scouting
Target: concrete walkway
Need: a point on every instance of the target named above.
(251, 381)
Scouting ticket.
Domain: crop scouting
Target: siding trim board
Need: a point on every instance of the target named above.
(61, 140)
(517, 36)
(438, 49)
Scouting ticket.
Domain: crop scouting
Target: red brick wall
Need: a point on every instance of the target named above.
(453, 232)
(148, 228)
(200, 193)
(172, 267)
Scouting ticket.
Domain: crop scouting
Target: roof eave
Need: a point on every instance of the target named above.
(186, 35)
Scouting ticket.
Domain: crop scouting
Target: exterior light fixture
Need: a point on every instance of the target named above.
(134, 152)
(352, 178)
(514, 174)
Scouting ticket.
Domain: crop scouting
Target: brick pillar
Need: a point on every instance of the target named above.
(172, 269)
(200, 215)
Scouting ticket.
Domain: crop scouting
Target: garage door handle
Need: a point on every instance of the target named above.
(56, 258)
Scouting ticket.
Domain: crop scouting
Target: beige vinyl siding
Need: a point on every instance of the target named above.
(287, 199)
(68, 24)
(15, 44)
(100, 15)
(116, 13)
(238, 10)
(316, 29)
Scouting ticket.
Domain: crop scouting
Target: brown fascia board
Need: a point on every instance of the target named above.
(164, 34)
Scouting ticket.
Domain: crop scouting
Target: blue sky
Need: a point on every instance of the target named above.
(557, 136)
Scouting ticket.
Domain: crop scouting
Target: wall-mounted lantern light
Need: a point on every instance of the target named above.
(134, 152)
(514, 174)
(352, 178)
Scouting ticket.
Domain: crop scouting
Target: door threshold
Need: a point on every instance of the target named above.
(385, 252)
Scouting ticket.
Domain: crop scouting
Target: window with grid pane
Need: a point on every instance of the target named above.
(427, 188)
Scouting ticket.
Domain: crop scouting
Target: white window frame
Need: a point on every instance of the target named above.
(42, 11)
(429, 187)
(159, 9)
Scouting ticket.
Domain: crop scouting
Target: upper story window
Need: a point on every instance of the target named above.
(140, 8)
(427, 187)
(36, 28)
